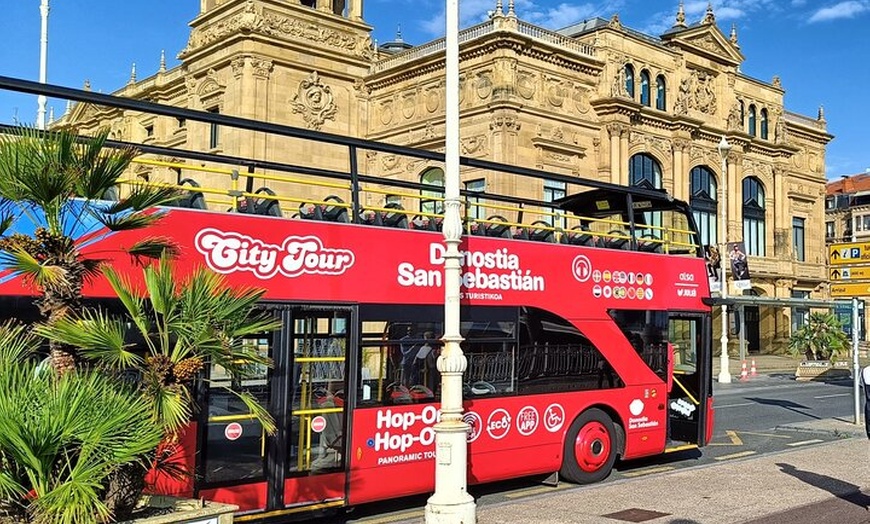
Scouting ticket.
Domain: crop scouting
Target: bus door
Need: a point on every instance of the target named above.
(692, 382)
(309, 452)
(302, 466)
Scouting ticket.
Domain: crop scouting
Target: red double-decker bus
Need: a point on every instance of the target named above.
(584, 322)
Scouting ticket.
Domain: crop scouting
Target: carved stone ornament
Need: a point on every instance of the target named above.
(255, 19)
(581, 99)
(433, 97)
(386, 111)
(473, 144)
(696, 92)
(734, 116)
(555, 92)
(483, 85)
(314, 101)
(525, 84)
(409, 104)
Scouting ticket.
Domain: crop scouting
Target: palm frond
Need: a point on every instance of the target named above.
(96, 335)
(16, 342)
(134, 305)
(6, 220)
(154, 248)
(100, 167)
(143, 196)
(129, 221)
(25, 264)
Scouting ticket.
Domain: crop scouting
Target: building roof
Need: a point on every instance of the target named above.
(848, 184)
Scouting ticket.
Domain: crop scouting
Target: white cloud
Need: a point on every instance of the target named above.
(848, 9)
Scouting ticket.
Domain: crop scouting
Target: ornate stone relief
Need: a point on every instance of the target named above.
(554, 148)
(385, 109)
(581, 99)
(760, 170)
(483, 84)
(432, 96)
(210, 85)
(525, 84)
(504, 123)
(255, 19)
(617, 88)
(556, 91)
(409, 104)
(734, 122)
(651, 142)
(474, 145)
(260, 67)
(696, 92)
(780, 133)
(314, 101)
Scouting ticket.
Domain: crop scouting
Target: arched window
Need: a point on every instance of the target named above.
(644, 171)
(752, 120)
(704, 203)
(661, 97)
(742, 115)
(432, 177)
(644, 88)
(764, 124)
(629, 80)
(753, 216)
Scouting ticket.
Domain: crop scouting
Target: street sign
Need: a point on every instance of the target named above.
(850, 289)
(850, 273)
(849, 253)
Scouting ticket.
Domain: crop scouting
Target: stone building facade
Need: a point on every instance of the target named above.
(595, 100)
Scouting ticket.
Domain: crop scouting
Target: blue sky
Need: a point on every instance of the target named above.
(818, 48)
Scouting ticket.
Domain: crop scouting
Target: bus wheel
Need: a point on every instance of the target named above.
(590, 448)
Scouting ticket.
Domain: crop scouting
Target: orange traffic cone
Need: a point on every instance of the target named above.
(743, 375)
(752, 370)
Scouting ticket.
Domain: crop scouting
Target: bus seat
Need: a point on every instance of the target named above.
(649, 244)
(579, 236)
(498, 229)
(310, 211)
(397, 218)
(189, 199)
(543, 233)
(423, 223)
(266, 206)
(613, 242)
(370, 217)
(334, 213)
(521, 233)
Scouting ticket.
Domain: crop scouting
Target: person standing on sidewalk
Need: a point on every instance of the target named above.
(865, 382)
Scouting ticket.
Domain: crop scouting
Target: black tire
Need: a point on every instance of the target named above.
(590, 448)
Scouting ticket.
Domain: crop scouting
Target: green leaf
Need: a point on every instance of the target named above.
(43, 275)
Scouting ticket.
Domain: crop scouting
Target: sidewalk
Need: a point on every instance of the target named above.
(736, 491)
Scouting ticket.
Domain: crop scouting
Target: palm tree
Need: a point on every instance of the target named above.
(52, 184)
(62, 437)
(184, 324)
(822, 337)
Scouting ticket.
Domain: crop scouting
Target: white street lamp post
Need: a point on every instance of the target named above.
(451, 503)
(724, 373)
(43, 63)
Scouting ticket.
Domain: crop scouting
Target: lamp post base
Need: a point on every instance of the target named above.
(724, 377)
(464, 512)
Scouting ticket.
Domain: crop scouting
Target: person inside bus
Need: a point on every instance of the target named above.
(408, 349)
(425, 368)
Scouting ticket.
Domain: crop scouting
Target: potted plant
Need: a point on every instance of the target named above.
(821, 342)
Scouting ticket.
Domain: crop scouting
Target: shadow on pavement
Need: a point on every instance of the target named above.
(842, 490)
(785, 404)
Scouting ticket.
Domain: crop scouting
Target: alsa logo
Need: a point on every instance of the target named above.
(226, 252)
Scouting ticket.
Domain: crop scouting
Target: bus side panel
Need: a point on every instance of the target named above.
(181, 458)
(386, 482)
(248, 497)
(329, 486)
(646, 424)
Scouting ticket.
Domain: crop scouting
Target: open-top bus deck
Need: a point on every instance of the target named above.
(586, 331)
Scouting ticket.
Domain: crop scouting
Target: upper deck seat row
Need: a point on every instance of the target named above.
(334, 209)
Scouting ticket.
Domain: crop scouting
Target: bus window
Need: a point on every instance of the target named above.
(398, 354)
(647, 331)
(490, 348)
(235, 440)
(684, 336)
(554, 357)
